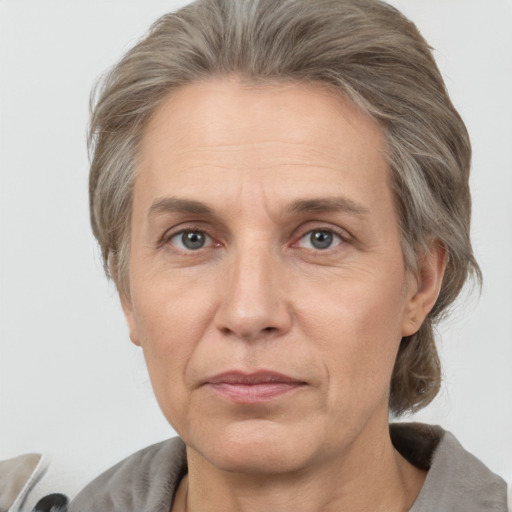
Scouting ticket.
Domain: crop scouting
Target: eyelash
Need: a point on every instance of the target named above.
(341, 236)
(338, 233)
(167, 238)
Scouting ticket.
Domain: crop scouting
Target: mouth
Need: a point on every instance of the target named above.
(252, 388)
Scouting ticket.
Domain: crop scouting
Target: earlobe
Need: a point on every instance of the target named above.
(424, 288)
(129, 315)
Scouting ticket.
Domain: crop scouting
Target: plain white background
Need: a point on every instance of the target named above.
(71, 384)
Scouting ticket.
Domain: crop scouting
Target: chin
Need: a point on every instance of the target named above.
(255, 447)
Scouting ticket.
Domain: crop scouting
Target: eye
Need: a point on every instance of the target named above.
(190, 240)
(319, 239)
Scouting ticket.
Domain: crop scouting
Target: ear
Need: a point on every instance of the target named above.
(129, 314)
(424, 287)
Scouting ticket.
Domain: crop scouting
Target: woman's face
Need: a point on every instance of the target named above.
(268, 288)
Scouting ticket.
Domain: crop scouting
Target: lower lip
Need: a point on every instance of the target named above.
(253, 393)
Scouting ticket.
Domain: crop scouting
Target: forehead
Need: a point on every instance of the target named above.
(229, 110)
(224, 136)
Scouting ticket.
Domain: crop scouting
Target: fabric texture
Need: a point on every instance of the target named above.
(144, 482)
(17, 476)
(456, 482)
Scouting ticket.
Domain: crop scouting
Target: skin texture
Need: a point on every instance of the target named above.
(255, 171)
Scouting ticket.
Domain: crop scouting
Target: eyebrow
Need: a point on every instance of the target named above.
(176, 205)
(329, 205)
(301, 206)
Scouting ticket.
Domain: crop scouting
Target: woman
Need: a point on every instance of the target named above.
(280, 192)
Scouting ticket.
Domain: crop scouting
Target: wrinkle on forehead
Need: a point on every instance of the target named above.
(248, 132)
(237, 143)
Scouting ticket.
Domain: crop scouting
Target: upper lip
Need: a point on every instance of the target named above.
(251, 378)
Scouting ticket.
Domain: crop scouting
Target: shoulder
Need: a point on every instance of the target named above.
(143, 482)
(456, 480)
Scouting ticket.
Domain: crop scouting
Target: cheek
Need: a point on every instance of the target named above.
(357, 327)
(170, 319)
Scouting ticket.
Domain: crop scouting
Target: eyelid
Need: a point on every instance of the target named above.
(191, 228)
(301, 232)
(309, 227)
(179, 235)
(311, 231)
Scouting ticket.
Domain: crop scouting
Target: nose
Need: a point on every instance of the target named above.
(253, 301)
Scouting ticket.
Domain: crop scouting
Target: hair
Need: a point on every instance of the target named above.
(364, 49)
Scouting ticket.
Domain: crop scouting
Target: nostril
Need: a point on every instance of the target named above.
(248, 335)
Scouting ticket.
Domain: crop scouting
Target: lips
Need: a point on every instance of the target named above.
(251, 388)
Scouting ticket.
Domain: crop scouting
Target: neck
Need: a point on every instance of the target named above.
(367, 476)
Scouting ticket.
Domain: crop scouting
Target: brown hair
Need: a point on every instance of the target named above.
(366, 50)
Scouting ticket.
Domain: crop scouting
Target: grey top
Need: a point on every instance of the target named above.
(456, 482)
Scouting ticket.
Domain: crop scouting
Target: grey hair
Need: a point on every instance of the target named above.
(364, 49)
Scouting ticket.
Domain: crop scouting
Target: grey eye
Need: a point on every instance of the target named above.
(191, 240)
(320, 239)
